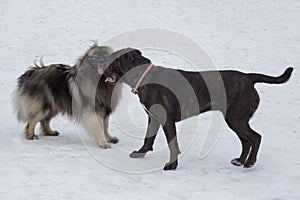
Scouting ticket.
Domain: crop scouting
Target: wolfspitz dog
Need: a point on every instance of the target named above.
(79, 91)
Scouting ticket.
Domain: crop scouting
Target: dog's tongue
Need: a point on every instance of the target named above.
(110, 79)
(100, 71)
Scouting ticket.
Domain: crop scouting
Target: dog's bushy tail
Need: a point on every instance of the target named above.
(261, 78)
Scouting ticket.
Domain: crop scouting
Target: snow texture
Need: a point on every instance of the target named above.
(251, 36)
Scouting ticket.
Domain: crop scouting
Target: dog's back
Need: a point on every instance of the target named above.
(43, 88)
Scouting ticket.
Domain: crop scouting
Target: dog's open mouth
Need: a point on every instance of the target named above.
(111, 79)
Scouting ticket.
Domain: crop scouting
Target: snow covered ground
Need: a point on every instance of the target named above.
(251, 36)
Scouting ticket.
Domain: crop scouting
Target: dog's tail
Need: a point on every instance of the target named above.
(261, 78)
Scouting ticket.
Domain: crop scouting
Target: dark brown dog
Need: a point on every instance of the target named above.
(171, 95)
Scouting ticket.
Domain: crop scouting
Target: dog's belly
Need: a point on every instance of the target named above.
(192, 109)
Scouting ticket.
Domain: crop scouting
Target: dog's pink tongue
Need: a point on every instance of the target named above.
(100, 71)
(109, 79)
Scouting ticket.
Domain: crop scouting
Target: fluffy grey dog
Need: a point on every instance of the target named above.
(79, 91)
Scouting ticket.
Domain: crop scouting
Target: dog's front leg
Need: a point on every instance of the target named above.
(94, 124)
(109, 138)
(153, 126)
(170, 132)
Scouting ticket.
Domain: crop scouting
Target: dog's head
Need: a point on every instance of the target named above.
(121, 62)
(95, 58)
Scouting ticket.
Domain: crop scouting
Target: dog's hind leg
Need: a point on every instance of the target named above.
(246, 145)
(255, 140)
(109, 138)
(94, 124)
(237, 118)
(153, 126)
(33, 120)
(45, 126)
(250, 142)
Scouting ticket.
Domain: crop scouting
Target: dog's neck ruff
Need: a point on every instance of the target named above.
(137, 85)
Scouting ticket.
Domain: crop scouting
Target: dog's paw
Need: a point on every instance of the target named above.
(137, 154)
(113, 140)
(249, 163)
(53, 133)
(105, 146)
(171, 165)
(32, 137)
(236, 162)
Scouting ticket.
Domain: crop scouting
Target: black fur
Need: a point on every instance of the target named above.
(231, 92)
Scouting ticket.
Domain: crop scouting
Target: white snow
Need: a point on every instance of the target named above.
(251, 36)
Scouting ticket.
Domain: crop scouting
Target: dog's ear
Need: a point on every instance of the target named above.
(130, 58)
(125, 62)
(133, 55)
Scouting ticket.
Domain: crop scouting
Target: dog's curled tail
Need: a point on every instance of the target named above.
(261, 78)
